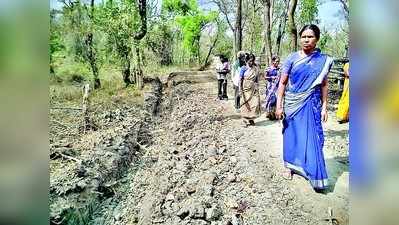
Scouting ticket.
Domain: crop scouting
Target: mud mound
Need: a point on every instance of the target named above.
(184, 160)
(88, 172)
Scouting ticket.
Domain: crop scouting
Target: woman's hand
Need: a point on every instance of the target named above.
(279, 113)
(324, 115)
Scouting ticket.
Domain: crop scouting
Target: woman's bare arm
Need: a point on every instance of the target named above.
(280, 94)
(240, 84)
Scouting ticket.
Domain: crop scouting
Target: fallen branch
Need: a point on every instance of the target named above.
(64, 156)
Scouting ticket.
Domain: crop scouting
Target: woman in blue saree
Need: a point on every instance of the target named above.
(302, 104)
(272, 79)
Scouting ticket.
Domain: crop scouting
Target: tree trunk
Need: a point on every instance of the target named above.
(223, 9)
(292, 26)
(142, 5)
(253, 26)
(268, 31)
(126, 70)
(91, 54)
(198, 50)
(210, 50)
(234, 45)
(238, 27)
(281, 30)
(137, 71)
(271, 12)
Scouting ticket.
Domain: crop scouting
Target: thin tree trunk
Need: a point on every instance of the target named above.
(91, 54)
(223, 9)
(234, 45)
(271, 12)
(281, 30)
(210, 50)
(238, 27)
(138, 72)
(126, 69)
(268, 31)
(292, 26)
(253, 26)
(198, 50)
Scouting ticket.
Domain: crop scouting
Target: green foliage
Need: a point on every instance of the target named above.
(116, 20)
(74, 73)
(191, 21)
(224, 44)
(191, 27)
(160, 40)
(181, 7)
(75, 22)
(253, 41)
(308, 11)
(55, 35)
(178, 33)
(324, 39)
(334, 43)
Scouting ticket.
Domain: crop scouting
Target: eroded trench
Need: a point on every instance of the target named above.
(171, 163)
(93, 178)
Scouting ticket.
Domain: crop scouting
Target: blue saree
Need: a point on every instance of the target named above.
(272, 78)
(303, 137)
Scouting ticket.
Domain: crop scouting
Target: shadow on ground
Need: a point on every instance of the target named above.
(335, 168)
(266, 122)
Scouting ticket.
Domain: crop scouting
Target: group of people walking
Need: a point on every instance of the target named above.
(246, 76)
(296, 93)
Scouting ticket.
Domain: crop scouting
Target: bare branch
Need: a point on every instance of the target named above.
(223, 8)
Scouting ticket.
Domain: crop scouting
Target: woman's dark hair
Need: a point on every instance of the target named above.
(223, 58)
(274, 58)
(312, 27)
(249, 56)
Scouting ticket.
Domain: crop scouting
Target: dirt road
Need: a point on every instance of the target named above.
(206, 168)
(192, 162)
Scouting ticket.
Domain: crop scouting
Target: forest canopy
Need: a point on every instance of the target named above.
(88, 38)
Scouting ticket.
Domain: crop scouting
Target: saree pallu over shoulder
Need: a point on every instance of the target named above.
(308, 74)
(302, 131)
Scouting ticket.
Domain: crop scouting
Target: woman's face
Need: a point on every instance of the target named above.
(251, 62)
(308, 40)
(276, 62)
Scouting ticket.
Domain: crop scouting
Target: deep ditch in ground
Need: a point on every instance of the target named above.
(179, 160)
(93, 171)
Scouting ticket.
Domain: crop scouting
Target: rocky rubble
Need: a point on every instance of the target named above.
(86, 173)
(191, 164)
(200, 175)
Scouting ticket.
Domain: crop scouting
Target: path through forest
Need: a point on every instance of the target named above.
(186, 159)
(206, 168)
